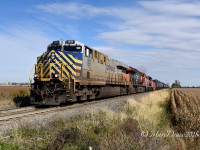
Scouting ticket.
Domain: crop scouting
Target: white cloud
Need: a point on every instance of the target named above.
(179, 8)
(72, 10)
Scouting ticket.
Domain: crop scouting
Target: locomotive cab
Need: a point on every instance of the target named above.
(68, 46)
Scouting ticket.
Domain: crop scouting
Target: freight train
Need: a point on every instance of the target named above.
(72, 71)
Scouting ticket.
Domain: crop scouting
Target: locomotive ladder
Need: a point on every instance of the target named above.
(69, 85)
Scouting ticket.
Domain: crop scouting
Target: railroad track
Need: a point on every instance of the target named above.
(14, 114)
(6, 112)
(9, 115)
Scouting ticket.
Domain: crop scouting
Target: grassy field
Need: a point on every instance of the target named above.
(10, 96)
(156, 121)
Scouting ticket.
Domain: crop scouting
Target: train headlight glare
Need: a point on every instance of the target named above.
(35, 75)
(56, 75)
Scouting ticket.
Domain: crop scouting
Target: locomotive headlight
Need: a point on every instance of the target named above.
(53, 55)
(56, 75)
(36, 75)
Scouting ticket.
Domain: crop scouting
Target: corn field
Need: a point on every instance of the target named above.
(186, 109)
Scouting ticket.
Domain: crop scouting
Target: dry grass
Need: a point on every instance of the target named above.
(6, 92)
(149, 108)
(10, 96)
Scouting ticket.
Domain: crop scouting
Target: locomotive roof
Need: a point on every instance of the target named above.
(119, 63)
(71, 42)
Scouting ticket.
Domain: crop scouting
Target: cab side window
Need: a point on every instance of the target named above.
(88, 52)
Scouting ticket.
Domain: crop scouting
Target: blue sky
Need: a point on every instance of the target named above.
(161, 38)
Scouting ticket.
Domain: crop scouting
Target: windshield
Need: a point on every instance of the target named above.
(54, 48)
(73, 48)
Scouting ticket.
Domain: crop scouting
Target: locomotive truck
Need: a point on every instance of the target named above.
(72, 71)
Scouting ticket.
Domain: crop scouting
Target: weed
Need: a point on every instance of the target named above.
(21, 98)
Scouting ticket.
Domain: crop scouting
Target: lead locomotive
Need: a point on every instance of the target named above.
(72, 71)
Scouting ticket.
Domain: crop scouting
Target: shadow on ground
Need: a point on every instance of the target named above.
(22, 101)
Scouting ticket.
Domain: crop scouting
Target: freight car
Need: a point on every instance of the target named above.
(72, 71)
(160, 85)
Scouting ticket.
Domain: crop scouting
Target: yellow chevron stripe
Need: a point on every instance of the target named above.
(58, 70)
(64, 70)
(73, 72)
(76, 60)
(63, 75)
(52, 71)
(38, 58)
(38, 69)
(47, 70)
(60, 59)
(56, 61)
(65, 58)
(47, 73)
(43, 56)
(76, 67)
(52, 51)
